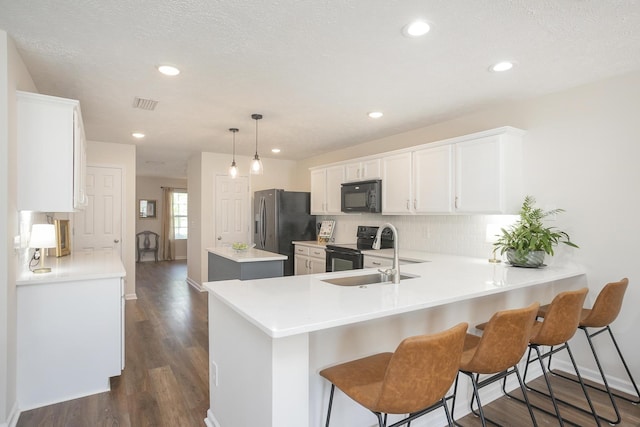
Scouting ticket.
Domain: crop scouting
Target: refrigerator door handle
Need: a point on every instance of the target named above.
(263, 222)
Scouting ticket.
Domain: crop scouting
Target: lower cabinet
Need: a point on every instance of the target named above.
(70, 339)
(309, 260)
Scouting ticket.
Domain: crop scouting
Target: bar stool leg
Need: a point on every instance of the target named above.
(333, 387)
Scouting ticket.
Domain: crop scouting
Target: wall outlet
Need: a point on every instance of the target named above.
(214, 373)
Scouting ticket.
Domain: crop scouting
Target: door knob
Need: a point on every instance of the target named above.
(116, 241)
(219, 237)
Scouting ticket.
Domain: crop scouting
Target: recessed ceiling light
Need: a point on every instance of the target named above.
(137, 135)
(416, 29)
(275, 150)
(168, 70)
(375, 114)
(502, 66)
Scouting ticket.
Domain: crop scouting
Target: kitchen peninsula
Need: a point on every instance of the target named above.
(226, 263)
(269, 338)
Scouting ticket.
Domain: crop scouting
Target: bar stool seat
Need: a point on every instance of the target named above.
(412, 380)
(604, 311)
(497, 352)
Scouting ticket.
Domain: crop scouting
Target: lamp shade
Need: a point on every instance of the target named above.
(43, 236)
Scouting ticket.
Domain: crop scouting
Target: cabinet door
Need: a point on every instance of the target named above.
(300, 265)
(335, 178)
(317, 265)
(318, 191)
(396, 184)
(352, 172)
(478, 176)
(433, 180)
(371, 169)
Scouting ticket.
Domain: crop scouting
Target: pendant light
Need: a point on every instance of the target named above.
(233, 169)
(256, 163)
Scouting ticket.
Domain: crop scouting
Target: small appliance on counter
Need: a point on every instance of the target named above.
(280, 217)
(325, 231)
(349, 256)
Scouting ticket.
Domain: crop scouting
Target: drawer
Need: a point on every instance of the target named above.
(375, 262)
(301, 250)
(317, 253)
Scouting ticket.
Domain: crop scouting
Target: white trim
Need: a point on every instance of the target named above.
(131, 296)
(196, 285)
(14, 416)
(593, 375)
(211, 421)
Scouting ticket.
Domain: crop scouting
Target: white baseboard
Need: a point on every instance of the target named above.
(619, 384)
(196, 285)
(211, 421)
(130, 296)
(180, 258)
(14, 415)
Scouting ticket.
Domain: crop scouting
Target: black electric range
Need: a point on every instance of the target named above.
(349, 256)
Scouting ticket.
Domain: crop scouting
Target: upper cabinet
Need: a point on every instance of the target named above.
(363, 170)
(433, 180)
(397, 191)
(51, 154)
(325, 190)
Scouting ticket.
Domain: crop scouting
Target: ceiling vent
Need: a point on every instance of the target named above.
(144, 104)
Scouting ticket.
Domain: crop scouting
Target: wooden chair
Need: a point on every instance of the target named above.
(605, 310)
(555, 330)
(413, 380)
(497, 352)
(149, 243)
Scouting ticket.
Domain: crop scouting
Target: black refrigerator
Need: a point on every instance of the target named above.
(279, 218)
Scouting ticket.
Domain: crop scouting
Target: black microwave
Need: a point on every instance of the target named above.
(363, 196)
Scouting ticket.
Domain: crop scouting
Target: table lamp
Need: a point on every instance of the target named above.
(42, 236)
(492, 235)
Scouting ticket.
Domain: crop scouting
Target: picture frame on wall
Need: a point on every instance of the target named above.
(146, 208)
(63, 237)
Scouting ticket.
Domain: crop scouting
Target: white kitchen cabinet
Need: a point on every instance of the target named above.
(325, 190)
(363, 170)
(70, 328)
(433, 180)
(309, 260)
(488, 174)
(51, 154)
(397, 186)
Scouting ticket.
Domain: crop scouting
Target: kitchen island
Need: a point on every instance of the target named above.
(269, 338)
(226, 263)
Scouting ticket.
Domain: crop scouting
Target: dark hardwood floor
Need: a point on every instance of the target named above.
(165, 380)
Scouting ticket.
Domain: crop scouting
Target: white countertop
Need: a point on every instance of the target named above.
(293, 305)
(248, 255)
(310, 243)
(77, 266)
(404, 255)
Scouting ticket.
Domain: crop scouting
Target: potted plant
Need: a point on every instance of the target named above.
(528, 240)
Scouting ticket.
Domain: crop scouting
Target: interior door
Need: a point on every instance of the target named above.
(232, 210)
(99, 225)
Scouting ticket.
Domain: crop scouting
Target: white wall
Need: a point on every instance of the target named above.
(124, 156)
(150, 188)
(203, 168)
(580, 154)
(13, 75)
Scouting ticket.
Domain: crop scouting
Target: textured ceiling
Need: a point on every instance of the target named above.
(313, 68)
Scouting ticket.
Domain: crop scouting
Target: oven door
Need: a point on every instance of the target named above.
(338, 260)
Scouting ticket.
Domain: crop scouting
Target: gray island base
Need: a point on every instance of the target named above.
(227, 264)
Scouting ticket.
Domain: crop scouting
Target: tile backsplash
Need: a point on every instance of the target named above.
(451, 234)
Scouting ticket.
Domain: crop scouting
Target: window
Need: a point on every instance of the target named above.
(180, 220)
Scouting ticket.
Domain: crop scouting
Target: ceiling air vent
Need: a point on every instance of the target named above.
(144, 104)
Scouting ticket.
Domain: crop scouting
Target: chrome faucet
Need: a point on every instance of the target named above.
(394, 272)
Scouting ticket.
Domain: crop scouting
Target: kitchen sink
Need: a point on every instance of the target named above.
(365, 279)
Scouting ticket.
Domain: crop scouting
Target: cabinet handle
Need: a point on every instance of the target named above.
(116, 241)
(376, 263)
(408, 204)
(456, 203)
(415, 204)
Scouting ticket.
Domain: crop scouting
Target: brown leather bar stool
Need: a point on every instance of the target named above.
(497, 352)
(604, 311)
(413, 380)
(555, 330)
